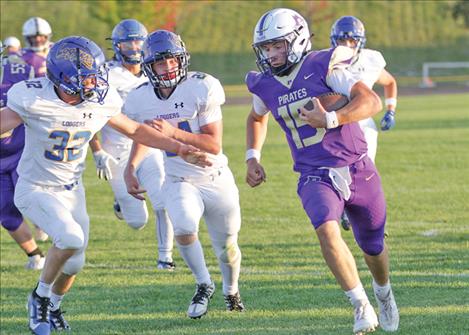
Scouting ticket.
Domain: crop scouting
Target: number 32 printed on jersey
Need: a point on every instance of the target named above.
(69, 146)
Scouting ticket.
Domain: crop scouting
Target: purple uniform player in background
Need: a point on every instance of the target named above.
(13, 70)
(37, 33)
(328, 150)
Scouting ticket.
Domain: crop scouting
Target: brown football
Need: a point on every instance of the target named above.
(330, 101)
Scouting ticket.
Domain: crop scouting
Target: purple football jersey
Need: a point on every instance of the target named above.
(310, 147)
(36, 61)
(14, 70)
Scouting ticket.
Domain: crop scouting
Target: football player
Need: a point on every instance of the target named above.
(12, 45)
(186, 106)
(61, 113)
(37, 34)
(125, 73)
(367, 66)
(328, 150)
(13, 70)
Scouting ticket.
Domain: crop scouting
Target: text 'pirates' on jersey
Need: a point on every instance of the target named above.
(57, 134)
(283, 96)
(194, 103)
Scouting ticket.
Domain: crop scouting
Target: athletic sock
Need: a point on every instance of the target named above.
(194, 257)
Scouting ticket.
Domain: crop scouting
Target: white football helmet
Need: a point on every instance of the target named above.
(12, 41)
(36, 26)
(277, 25)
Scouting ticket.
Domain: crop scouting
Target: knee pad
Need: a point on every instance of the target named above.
(372, 248)
(227, 250)
(137, 225)
(74, 264)
(69, 240)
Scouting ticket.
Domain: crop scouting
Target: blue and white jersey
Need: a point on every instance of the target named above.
(57, 133)
(368, 66)
(123, 81)
(194, 103)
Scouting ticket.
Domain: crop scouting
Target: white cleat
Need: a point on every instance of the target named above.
(35, 262)
(366, 320)
(200, 300)
(388, 312)
(40, 235)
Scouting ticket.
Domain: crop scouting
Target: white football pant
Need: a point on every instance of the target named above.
(150, 174)
(61, 213)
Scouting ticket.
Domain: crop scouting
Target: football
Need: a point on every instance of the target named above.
(330, 101)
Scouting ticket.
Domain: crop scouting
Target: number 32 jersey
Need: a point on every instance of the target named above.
(57, 133)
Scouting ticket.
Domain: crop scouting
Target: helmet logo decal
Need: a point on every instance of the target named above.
(70, 54)
(263, 25)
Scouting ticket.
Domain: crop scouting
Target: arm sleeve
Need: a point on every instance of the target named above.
(210, 109)
(16, 102)
(259, 107)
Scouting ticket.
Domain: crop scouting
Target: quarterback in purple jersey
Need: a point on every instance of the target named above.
(328, 151)
(13, 70)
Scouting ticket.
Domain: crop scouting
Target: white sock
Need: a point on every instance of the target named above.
(357, 296)
(194, 257)
(43, 290)
(55, 300)
(164, 235)
(381, 291)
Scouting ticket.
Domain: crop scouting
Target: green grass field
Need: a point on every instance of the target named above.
(285, 284)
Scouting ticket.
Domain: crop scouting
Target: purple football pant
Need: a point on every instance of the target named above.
(10, 216)
(366, 207)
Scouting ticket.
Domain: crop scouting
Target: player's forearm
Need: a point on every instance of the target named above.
(9, 120)
(205, 142)
(95, 145)
(150, 137)
(390, 95)
(136, 155)
(256, 132)
(364, 103)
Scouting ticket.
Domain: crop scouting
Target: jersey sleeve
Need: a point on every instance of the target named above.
(113, 102)
(259, 106)
(341, 58)
(210, 105)
(17, 101)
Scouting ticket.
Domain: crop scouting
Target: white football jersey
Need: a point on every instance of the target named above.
(57, 134)
(194, 103)
(123, 81)
(368, 66)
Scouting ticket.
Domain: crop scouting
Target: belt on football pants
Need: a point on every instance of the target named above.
(197, 179)
(59, 188)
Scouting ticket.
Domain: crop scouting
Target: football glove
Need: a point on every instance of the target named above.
(388, 122)
(102, 160)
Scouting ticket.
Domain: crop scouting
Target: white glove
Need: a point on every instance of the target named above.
(102, 160)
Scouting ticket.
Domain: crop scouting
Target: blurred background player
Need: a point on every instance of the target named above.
(125, 73)
(12, 45)
(369, 67)
(13, 70)
(187, 106)
(37, 34)
(328, 150)
(61, 114)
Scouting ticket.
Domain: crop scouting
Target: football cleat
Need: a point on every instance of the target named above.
(58, 322)
(35, 262)
(233, 302)
(117, 210)
(366, 320)
(388, 312)
(38, 310)
(200, 300)
(40, 235)
(162, 265)
(344, 221)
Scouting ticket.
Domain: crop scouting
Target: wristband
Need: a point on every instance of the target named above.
(253, 153)
(331, 120)
(391, 101)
